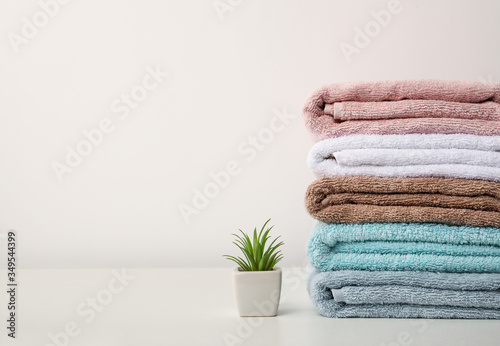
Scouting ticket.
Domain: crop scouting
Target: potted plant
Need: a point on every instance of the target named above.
(256, 280)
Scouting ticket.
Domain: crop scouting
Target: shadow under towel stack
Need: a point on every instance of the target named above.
(407, 201)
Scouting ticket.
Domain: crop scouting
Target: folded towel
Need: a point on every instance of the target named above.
(374, 199)
(402, 107)
(403, 294)
(403, 246)
(411, 155)
(355, 110)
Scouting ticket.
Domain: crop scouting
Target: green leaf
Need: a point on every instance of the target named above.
(248, 243)
(257, 257)
(239, 262)
(272, 248)
(255, 243)
(262, 264)
(248, 257)
(265, 238)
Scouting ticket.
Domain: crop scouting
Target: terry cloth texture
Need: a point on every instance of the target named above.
(407, 200)
(403, 294)
(403, 107)
(401, 246)
(412, 155)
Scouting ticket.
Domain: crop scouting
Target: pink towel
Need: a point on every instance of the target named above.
(403, 107)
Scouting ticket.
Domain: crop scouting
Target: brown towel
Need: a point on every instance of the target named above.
(374, 199)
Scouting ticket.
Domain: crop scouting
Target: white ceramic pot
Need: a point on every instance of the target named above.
(257, 293)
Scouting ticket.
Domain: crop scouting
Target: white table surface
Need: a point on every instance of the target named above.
(196, 307)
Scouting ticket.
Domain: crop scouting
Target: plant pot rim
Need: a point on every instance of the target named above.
(238, 270)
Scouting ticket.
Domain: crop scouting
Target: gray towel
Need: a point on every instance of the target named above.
(405, 294)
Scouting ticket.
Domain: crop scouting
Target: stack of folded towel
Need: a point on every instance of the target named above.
(408, 199)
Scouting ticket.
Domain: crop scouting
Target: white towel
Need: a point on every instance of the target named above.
(412, 155)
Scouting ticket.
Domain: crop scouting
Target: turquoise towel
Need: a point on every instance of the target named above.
(400, 246)
(405, 294)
